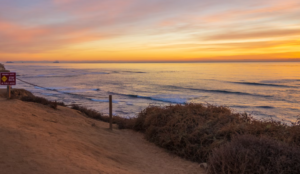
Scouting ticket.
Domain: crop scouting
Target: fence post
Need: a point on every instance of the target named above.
(8, 91)
(110, 112)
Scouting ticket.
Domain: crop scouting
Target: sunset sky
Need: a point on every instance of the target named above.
(149, 30)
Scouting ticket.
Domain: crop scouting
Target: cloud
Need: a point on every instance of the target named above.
(18, 38)
(265, 11)
(34, 26)
(256, 34)
(228, 46)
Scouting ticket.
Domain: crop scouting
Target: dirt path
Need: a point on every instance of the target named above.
(38, 139)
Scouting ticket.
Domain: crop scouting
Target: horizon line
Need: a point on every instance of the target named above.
(191, 61)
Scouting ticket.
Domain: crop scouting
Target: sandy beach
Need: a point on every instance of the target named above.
(38, 139)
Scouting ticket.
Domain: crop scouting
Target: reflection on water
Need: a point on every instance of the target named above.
(262, 89)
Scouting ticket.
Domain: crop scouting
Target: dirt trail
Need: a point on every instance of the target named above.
(38, 139)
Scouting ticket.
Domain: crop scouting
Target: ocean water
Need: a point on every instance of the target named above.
(264, 90)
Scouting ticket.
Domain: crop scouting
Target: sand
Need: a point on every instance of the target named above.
(38, 139)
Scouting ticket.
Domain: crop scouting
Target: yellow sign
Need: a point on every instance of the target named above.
(4, 79)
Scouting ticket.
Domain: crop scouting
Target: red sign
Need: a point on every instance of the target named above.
(8, 78)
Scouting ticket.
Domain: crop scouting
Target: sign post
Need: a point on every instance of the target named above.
(8, 79)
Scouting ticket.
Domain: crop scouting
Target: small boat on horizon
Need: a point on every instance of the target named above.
(9, 62)
(56, 61)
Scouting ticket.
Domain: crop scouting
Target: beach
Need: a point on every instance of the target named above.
(39, 139)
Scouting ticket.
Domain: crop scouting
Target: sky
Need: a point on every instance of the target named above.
(149, 30)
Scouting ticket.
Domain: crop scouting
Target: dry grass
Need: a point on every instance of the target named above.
(204, 133)
(41, 100)
(122, 123)
(16, 93)
(192, 131)
(248, 154)
(88, 112)
(19, 93)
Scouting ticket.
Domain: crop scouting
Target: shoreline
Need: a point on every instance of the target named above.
(263, 97)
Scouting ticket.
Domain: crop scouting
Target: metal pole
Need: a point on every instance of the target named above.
(8, 92)
(110, 112)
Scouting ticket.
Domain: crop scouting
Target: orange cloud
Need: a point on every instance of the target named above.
(40, 39)
(145, 29)
(257, 34)
(14, 32)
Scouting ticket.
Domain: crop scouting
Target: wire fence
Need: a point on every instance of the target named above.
(86, 97)
(62, 92)
(77, 95)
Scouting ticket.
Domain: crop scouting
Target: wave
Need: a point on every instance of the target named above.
(139, 72)
(155, 98)
(51, 88)
(62, 91)
(93, 73)
(265, 107)
(243, 106)
(264, 116)
(62, 75)
(281, 81)
(129, 103)
(99, 100)
(47, 76)
(66, 90)
(48, 94)
(239, 106)
(217, 91)
(122, 112)
(261, 84)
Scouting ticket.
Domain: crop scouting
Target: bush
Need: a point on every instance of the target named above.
(43, 101)
(88, 112)
(248, 154)
(19, 93)
(192, 131)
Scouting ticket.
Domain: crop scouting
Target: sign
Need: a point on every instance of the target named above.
(8, 78)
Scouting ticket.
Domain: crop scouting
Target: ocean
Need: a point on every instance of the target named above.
(265, 90)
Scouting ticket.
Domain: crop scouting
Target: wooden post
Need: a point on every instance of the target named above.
(110, 112)
(8, 92)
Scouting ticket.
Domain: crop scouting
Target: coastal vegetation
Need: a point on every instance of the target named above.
(29, 97)
(228, 142)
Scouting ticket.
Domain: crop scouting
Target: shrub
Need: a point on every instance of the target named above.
(19, 93)
(88, 112)
(192, 131)
(248, 154)
(43, 101)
